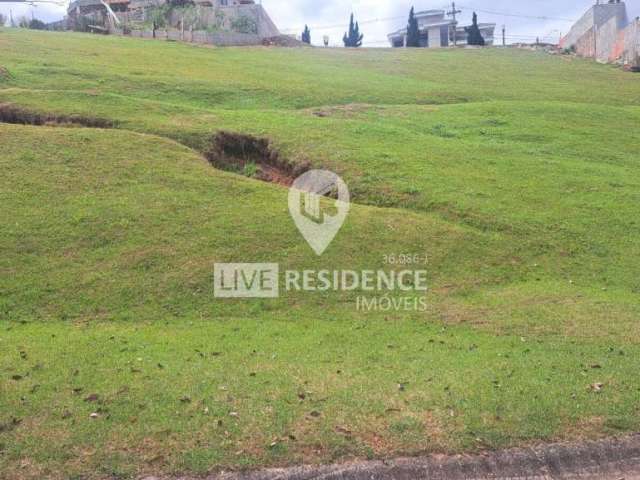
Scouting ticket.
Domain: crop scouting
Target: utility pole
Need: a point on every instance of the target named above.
(504, 37)
(453, 14)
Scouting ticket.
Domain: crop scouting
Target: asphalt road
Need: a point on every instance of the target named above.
(611, 459)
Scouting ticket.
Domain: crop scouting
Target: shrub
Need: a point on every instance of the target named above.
(244, 24)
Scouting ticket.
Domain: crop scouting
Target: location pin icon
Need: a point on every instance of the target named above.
(319, 204)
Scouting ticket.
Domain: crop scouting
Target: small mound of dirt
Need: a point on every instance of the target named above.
(283, 41)
(12, 114)
(4, 73)
(347, 111)
(237, 152)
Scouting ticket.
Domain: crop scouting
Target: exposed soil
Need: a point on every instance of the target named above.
(612, 459)
(4, 73)
(283, 41)
(237, 152)
(344, 111)
(13, 114)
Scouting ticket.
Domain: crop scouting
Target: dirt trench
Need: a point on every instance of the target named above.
(10, 113)
(252, 156)
(240, 153)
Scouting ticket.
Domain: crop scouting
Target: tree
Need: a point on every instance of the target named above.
(3, 20)
(36, 24)
(244, 24)
(413, 32)
(306, 35)
(157, 17)
(354, 38)
(474, 37)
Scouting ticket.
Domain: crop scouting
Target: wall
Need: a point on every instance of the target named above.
(605, 34)
(224, 17)
(631, 44)
(599, 16)
(223, 39)
(213, 18)
(585, 45)
(581, 28)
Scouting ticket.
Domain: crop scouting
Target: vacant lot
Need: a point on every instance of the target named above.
(515, 174)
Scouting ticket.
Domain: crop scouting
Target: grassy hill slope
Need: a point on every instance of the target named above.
(515, 173)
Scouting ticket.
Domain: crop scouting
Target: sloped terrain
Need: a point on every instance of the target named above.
(522, 194)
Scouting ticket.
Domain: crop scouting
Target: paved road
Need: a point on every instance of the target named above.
(614, 459)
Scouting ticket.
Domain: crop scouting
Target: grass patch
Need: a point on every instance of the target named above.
(521, 194)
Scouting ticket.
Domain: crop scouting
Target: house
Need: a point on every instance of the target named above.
(241, 16)
(436, 30)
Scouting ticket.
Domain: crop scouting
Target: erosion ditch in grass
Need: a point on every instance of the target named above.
(245, 154)
(253, 156)
(10, 113)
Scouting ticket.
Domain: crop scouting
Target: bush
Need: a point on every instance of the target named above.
(36, 24)
(244, 24)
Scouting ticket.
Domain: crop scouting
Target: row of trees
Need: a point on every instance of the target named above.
(24, 22)
(353, 38)
(186, 14)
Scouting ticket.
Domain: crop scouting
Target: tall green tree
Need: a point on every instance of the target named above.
(306, 35)
(36, 24)
(354, 37)
(474, 37)
(413, 32)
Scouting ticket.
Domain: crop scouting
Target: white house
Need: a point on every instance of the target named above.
(438, 31)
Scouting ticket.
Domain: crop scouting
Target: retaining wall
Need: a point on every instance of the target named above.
(223, 39)
(605, 34)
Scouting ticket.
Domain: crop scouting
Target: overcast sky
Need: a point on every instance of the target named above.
(379, 17)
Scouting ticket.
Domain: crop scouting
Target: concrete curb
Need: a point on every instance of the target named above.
(611, 459)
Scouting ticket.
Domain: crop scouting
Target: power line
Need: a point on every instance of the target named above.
(518, 15)
(342, 25)
(469, 8)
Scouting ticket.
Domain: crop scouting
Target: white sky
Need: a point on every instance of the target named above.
(377, 17)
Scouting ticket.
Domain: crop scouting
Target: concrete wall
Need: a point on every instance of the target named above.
(598, 16)
(585, 45)
(211, 18)
(223, 18)
(605, 34)
(223, 39)
(631, 44)
(578, 30)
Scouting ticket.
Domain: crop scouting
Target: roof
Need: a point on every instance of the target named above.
(82, 3)
(429, 13)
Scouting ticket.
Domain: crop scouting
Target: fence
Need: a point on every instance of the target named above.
(223, 39)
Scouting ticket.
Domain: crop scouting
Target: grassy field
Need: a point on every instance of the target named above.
(515, 173)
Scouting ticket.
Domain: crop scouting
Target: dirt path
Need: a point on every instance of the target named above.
(613, 459)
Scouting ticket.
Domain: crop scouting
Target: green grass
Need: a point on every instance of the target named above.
(515, 173)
